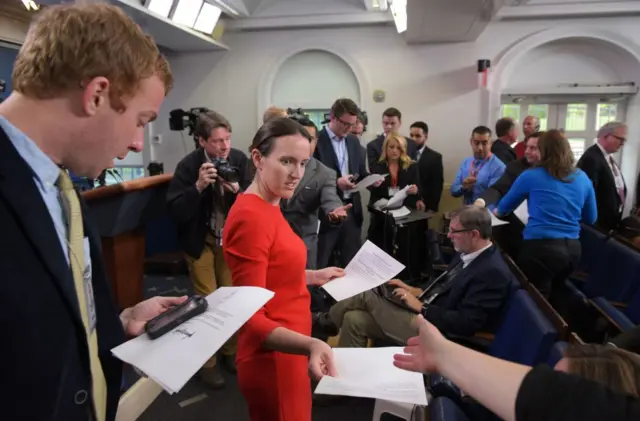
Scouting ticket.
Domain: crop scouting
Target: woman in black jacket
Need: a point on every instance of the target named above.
(400, 172)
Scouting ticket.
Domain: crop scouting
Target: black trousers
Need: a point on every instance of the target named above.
(547, 263)
(408, 244)
(344, 238)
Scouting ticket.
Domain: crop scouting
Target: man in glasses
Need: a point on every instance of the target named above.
(339, 150)
(599, 164)
(469, 298)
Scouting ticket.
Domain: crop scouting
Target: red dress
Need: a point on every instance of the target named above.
(261, 250)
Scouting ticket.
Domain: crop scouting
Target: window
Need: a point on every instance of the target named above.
(542, 112)
(510, 110)
(317, 116)
(580, 120)
(576, 117)
(119, 174)
(606, 113)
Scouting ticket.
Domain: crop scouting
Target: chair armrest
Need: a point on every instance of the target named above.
(613, 316)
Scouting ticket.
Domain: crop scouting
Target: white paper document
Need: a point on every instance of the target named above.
(522, 212)
(175, 357)
(495, 221)
(400, 213)
(366, 182)
(398, 198)
(370, 373)
(370, 267)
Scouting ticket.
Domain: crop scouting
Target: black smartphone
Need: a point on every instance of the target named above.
(175, 316)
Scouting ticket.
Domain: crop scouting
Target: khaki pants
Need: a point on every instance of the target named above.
(208, 273)
(370, 316)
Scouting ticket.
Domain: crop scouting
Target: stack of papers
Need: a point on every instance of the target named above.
(369, 268)
(370, 373)
(175, 357)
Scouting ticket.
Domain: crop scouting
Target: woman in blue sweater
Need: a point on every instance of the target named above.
(559, 196)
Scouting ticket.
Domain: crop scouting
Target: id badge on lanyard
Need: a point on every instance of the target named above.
(473, 172)
(393, 191)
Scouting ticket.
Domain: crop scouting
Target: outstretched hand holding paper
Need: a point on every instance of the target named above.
(369, 268)
(370, 373)
(175, 357)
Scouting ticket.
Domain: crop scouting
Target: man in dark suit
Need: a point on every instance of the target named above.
(341, 151)
(56, 305)
(470, 298)
(200, 195)
(391, 122)
(507, 133)
(509, 236)
(316, 191)
(598, 163)
(430, 168)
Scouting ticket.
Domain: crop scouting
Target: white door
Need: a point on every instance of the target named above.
(580, 120)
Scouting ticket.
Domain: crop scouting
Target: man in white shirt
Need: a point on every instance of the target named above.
(470, 297)
(605, 174)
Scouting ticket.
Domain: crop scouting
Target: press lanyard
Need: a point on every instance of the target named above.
(475, 173)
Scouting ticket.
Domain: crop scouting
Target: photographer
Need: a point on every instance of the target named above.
(204, 186)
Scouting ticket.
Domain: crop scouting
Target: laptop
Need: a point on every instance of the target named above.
(386, 291)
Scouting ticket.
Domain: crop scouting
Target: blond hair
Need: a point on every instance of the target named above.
(70, 44)
(405, 160)
(273, 112)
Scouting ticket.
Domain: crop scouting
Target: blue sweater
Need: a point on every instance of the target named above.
(555, 207)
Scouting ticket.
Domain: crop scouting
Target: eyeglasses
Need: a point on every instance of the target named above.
(345, 123)
(452, 231)
(620, 138)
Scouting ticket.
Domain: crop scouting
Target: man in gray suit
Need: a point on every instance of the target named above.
(316, 190)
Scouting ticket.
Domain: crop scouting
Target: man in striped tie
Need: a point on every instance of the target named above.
(86, 82)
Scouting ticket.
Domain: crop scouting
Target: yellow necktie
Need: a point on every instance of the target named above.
(84, 292)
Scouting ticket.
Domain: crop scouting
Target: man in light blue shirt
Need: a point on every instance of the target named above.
(478, 172)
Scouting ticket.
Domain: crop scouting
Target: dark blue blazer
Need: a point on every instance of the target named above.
(44, 359)
(476, 299)
(326, 154)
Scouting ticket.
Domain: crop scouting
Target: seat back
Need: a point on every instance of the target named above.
(444, 409)
(616, 275)
(525, 335)
(556, 353)
(591, 241)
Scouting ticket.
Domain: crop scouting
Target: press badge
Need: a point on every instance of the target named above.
(88, 286)
(393, 191)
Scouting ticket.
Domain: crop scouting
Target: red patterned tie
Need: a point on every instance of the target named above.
(616, 174)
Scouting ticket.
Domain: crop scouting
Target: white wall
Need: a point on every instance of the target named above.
(313, 80)
(434, 83)
(12, 30)
(572, 60)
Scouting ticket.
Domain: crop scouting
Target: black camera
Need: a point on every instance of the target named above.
(180, 120)
(225, 170)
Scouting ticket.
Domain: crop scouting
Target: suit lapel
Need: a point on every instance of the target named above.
(352, 150)
(607, 168)
(309, 174)
(21, 194)
(326, 149)
(465, 274)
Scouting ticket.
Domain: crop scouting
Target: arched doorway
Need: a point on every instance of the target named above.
(573, 55)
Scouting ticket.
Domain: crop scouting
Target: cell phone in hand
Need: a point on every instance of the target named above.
(176, 316)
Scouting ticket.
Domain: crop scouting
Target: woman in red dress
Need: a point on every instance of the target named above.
(275, 350)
